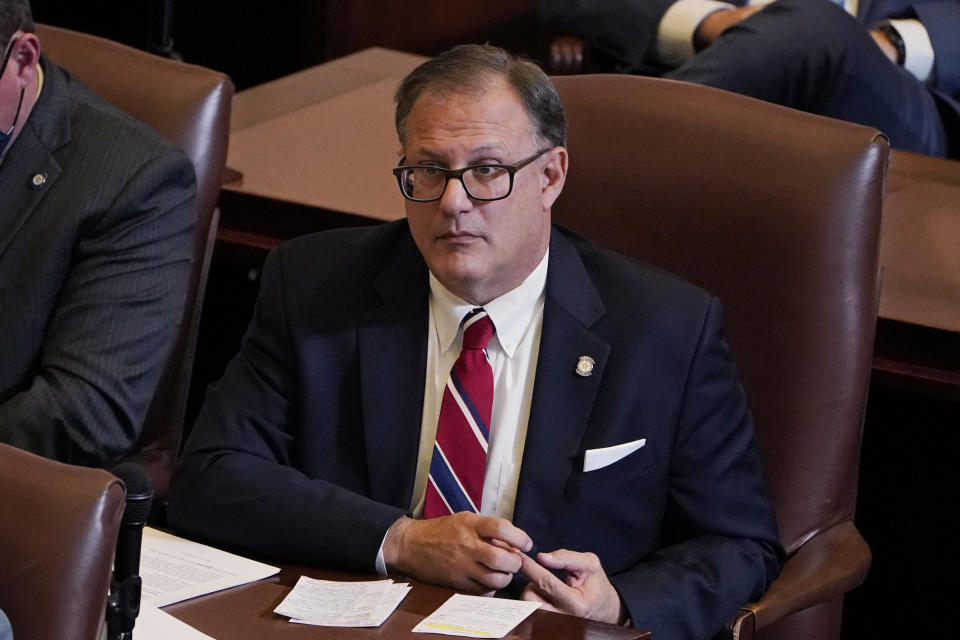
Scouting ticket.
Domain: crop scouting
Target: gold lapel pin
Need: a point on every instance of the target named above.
(585, 366)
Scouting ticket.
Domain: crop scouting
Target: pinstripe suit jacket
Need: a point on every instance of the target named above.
(96, 219)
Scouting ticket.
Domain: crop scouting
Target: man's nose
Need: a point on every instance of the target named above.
(455, 198)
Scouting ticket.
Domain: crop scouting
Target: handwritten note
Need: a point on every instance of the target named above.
(342, 604)
(476, 617)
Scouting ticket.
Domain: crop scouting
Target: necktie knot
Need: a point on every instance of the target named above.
(477, 330)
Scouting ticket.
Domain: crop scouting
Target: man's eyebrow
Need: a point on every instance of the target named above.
(494, 149)
(429, 155)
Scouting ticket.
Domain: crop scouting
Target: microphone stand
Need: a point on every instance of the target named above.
(160, 28)
(123, 603)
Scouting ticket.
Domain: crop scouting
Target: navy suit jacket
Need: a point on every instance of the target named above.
(306, 450)
(96, 234)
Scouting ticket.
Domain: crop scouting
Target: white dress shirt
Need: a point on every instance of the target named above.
(517, 317)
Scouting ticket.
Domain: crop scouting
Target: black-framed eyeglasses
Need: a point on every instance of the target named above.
(483, 182)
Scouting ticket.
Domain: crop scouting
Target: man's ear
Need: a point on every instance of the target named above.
(553, 174)
(26, 55)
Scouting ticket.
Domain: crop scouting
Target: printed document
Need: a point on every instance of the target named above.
(154, 624)
(175, 569)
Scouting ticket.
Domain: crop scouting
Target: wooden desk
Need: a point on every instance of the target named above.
(918, 336)
(246, 612)
(315, 150)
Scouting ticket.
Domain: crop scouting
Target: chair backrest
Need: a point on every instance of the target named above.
(58, 533)
(190, 106)
(777, 213)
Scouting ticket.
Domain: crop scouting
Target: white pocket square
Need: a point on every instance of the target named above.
(594, 459)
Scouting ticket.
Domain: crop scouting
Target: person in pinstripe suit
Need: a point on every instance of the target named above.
(96, 228)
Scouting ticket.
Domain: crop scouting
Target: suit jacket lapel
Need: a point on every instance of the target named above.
(29, 170)
(393, 351)
(562, 400)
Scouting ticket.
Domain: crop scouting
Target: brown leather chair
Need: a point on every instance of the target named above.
(190, 106)
(58, 532)
(777, 213)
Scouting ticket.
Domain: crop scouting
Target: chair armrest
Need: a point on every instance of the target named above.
(567, 56)
(828, 565)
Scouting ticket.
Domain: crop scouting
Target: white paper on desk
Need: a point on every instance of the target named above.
(476, 616)
(342, 604)
(389, 601)
(154, 624)
(175, 569)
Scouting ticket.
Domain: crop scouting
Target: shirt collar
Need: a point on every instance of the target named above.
(510, 313)
(39, 80)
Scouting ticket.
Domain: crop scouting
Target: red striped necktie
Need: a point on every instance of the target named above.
(463, 429)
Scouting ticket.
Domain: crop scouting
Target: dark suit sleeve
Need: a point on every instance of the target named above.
(721, 542)
(114, 321)
(238, 482)
(622, 30)
(942, 21)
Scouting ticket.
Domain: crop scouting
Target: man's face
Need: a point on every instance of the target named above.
(481, 250)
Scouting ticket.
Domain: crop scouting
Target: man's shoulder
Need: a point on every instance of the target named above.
(353, 245)
(100, 131)
(344, 258)
(625, 281)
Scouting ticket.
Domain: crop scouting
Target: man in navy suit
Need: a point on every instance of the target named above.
(620, 442)
(96, 228)
(889, 64)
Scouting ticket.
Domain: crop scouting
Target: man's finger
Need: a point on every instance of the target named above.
(574, 561)
(548, 586)
(536, 572)
(505, 531)
(503, 559)
(530, 595)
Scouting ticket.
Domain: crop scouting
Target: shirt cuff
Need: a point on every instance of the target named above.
(916, 43)
(381, 564)
(675, 33)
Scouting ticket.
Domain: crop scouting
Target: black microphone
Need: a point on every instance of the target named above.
(124, 603)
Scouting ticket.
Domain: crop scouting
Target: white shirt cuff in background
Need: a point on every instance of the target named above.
(675, 33)
(916, 43)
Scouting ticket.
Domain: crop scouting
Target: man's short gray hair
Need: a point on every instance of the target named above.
(14, 15)
(469, 68)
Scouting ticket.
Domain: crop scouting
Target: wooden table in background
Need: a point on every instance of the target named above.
(315, 150)
(918, 334)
